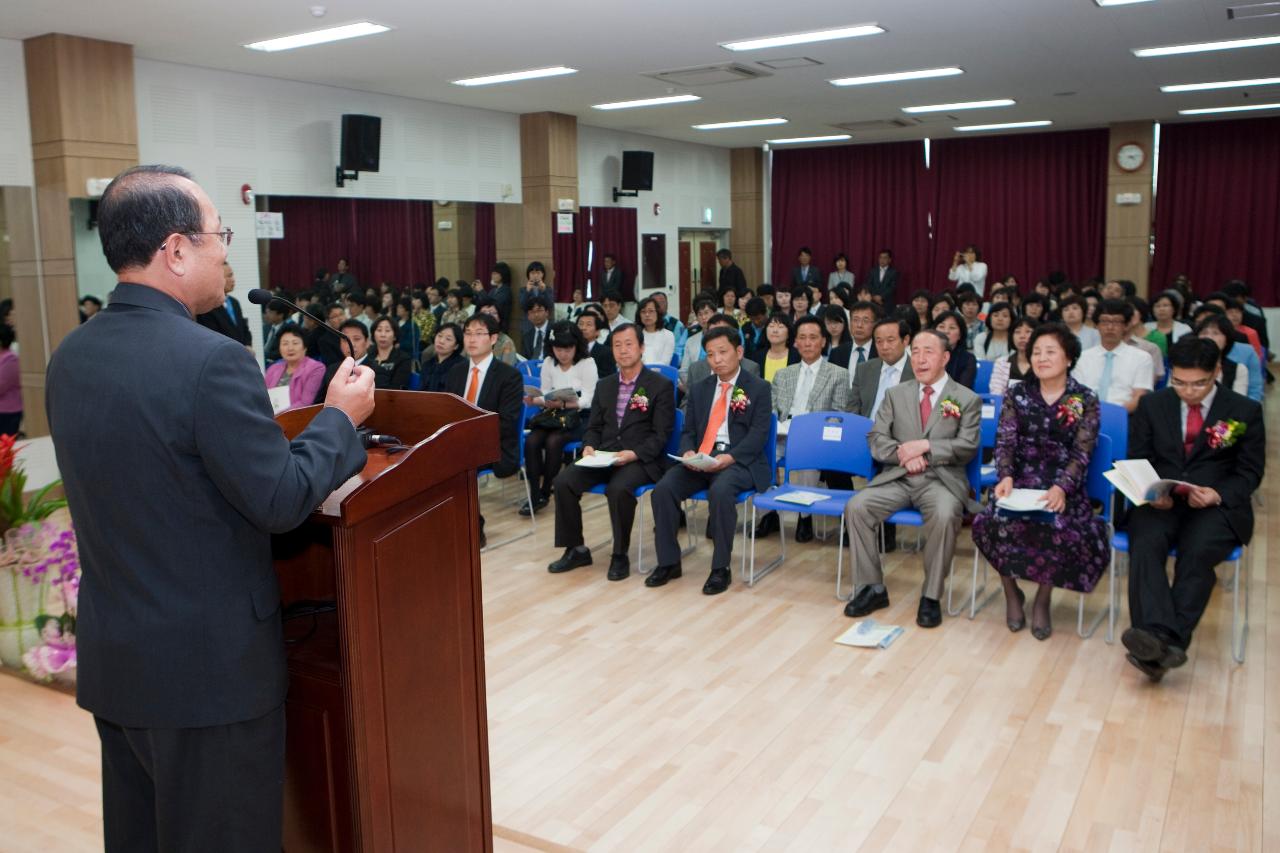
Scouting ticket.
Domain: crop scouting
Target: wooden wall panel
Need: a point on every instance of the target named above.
(1129, 226)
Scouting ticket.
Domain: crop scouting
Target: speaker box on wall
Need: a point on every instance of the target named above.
(637, 170)
(361, 139)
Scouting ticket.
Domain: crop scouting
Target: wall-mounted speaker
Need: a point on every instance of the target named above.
(361, 141)
(637, 170)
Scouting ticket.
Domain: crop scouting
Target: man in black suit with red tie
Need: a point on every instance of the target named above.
(490, 384)
(1201, 433)
(632, 414)
(728, 417)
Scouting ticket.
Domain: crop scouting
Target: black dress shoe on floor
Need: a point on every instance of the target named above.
(1144, 645)
(804, 529)
(538, 504)
(619, 567)
(767, 525)
(571, 559)
(866, 601)
(929, 614)
(717, 582)
(1173, 658)
(662, 574)
(1151, 670)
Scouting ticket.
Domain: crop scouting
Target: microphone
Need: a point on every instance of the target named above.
(259, 296)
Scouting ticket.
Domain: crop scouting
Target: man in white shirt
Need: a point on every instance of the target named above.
(1115, 371)
(611, 302)
(812, 385)
(874, 378)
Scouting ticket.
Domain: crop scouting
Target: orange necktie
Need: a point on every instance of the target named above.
(473, 387)
(717, 418)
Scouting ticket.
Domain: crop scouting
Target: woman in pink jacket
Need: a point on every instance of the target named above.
(302, 375)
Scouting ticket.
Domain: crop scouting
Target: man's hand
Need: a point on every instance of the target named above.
(625, 457)
(916, 465)
(1004, 488)
(1203, 496)
(723, 460)
(1165, 502)
(588, 451)
(351, 391)
(912, 449)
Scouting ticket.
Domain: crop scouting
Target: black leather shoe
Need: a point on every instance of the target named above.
(1144, 645)
(1173, 658)
(767, 525)
(717, 582)
(484, 543)
(1151, 670)
(804, 529)
(619, 567)
(929, 615)
(866, 601)
(538, 504)
(571, 559)
(662, 574)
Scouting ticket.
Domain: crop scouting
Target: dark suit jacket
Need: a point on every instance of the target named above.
(503, 393)
(844, 356)
(220, 321)
(1155, 433)
(963, 367)
(884, 290)
(176, 475)
(645, 433)
(611, 280)
(814, 277)
(603, 356)
(748, 430)
(527, 331)
(732, 276)
(331, 370)
(501, 296)
(866, 384)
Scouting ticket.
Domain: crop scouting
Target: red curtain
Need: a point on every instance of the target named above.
(614, 231)
(486, 241)
(382, 240)
(856, 199)
(567, 253)
(1031, 203)
(1218, 206)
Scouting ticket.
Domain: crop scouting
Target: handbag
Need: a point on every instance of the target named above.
(555, 419)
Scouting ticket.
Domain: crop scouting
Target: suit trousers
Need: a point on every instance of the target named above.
(622, 481)
(213, 789)
(1203, 539)
(942, 512)
(722, 514)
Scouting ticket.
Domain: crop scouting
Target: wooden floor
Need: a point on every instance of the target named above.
(630, 719)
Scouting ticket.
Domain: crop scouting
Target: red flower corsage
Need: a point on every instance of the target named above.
(1070, 410)
(949, 408)
(639, 401)
(738, 401)
(1224, 433)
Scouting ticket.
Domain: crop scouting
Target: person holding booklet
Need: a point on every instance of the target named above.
(1048, 428)
(632, 414)
(1212, 439)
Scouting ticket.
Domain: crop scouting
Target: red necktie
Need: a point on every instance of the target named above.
(926, 407)
(717, 418)
(1195, 423)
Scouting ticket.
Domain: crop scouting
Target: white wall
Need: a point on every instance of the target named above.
(282, 138)
(686, 178)
(15, 121)
(93, 276)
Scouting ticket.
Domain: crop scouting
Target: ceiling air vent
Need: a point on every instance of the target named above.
(1253, 10)
(878, 124)
(793, 62)
(708, 75)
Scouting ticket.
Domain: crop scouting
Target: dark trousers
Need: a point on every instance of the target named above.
(215, 789)
(543, 456)
(620, 493)
(1203, 539)
(10, 423)
(722, 489)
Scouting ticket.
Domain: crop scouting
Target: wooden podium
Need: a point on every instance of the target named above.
(387, 745)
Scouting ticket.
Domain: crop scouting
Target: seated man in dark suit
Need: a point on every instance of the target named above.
(861, 347)
(590, 323)
(632, 414)
(1202, 433)
(228, 318)
(359, 337)
(728, 417)
(536, 326)
(489, 384)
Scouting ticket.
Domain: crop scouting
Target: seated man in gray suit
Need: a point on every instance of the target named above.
(812, 385)
(926, 431)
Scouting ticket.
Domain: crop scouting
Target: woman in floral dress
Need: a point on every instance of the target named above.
(1047, 432)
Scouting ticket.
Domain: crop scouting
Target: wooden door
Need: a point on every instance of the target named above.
(709, 278)
(686, 278)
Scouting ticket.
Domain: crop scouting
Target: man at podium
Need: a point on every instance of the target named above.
(176, 476)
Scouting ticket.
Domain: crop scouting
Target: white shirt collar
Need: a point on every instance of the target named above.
(1205, 405)
(733, 381)
(484, 364)
(937, 389)
(812, 368)
(900, 364)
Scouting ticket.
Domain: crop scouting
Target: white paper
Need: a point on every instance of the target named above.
(869, 634)
(279, 398)
(599, 459)
(784, 427)
(701, 461)
(988, 470)
(1024, 500)
(801, 497)
(988, 411)
(832, 433)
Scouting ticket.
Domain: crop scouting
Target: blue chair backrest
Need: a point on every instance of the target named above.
(810, 446)
(1115, 426)
(1098, 487)
(415, 382)
(673, 441)
(991, 425)
(667, 371)
(982, 380)
(771, 447)
(531, 370)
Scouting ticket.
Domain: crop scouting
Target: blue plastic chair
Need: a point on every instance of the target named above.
(667, 371)
(1100, 490)
(526, 412)
(531, 371)
(990, 426)
(1115, 426)
(982, 379)
(771, 452)
(673, 447)
(810, 447)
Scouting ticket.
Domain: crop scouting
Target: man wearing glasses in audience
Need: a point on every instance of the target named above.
(1114, 370)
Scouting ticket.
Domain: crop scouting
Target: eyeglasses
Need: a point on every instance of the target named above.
(1198, 385)
(224, 235)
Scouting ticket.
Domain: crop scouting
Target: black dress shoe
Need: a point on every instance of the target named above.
(1144, 645)
(804, 529)
(866, 601)
(929, 614)
(538, 504)
(571, 559)
(767, 525)
(717, 582)
(1173, 658)
(662, 574)
(619, 567)
(1151, 670)
(484, 543)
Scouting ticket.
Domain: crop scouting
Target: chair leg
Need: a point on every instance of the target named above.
(840, 564)
(1109, 612)
(1239, 619)
(777, 561)
(533, 524)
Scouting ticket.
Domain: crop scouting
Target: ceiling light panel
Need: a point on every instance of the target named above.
(838, 137)
(897, 76)
(1204, 47)
(751, 122)
(963, 105)
(1009, 125)
(516, 76)
(1105, 3)
(1245, 108)
(328, 34)
(804, 38)
(1225, 84)
(647, 102)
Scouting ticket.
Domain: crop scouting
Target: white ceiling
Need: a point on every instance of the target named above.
(1034, 51)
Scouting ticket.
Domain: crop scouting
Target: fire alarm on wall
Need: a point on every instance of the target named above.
(657, 209)
(246, 194)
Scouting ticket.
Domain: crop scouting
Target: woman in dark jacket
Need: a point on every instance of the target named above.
(391, 365)
(962, 367)
(447, 346)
